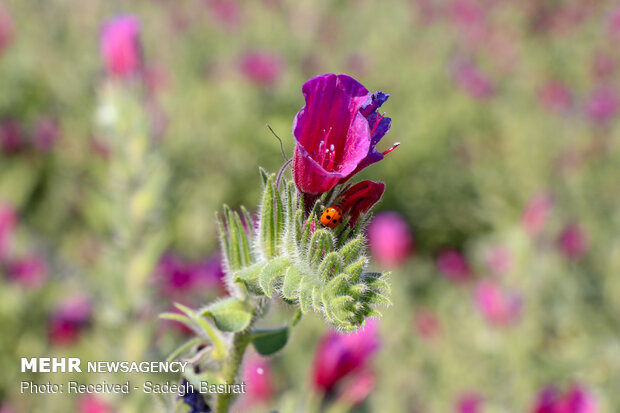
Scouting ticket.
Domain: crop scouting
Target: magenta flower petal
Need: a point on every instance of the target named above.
(336, 132)
(120, 46)
(359, 198)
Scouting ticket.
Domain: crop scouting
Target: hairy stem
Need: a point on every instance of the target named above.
(232, 364)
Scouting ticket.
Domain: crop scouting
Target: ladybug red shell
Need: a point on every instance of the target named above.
(332, 216)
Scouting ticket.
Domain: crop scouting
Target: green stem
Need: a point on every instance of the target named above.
(234, 358)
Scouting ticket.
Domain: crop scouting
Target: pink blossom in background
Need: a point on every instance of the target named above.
(426, 11)
(92, 404)
(603, 66)
(470, 17)
(340, 355)
(120, 46)
(258, 378)
(573, 241)
(575, 400)
(426, 324)
(498, 306)
(69, 318)
(614, 21)
(46, 134)
(156, 78)
(537, 213)
(357, 388)
(225, 13)
(602, 105)
(30, 271)
(6, 28)
(469, 403)
(499, 260)
(178, 276)
(473, 81)
(453, 265)
(390, 239)
(261, 67)
(11, 136)
(8, 223)
(555, 96)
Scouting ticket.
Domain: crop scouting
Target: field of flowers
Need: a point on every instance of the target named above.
(126, 126)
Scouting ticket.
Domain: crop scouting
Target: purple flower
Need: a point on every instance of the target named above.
(11, 136)
(91, 403)
(120, 46)
(341, 355)
(30, 271)
(69, 319)
(257, 374)
(357, 388)
(555, 96)
(499, 260)
(576, 400)
(336, 131)
(452, 264)
(603, 105)
(498, 306)
(261, 67)
(469, 403)
(390, 239)
(537, 213)
(8, 222)
(426, 324)
(6, 28)
(473, 81)
(46, 134)
(178, 277)
(573, 242)
(359, 198)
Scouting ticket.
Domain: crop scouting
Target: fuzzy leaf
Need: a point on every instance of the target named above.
(229, 315)
(268, 342)
(292, 280)
(266, 226)
(272, 270)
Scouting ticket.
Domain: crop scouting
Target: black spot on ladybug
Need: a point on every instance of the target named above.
(328, 217)
(334, 221)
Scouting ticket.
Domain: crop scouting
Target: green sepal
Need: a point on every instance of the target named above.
(274, 269)
(230, 315)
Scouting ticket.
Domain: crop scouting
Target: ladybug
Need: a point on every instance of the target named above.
(332, 216)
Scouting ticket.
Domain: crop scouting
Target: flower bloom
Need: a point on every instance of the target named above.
(11, 136)
(573, 242)
(536, 213)
(357, 388)
(8, 222)
(92, 404)
(359, 198)
(426, 324)
(499, 260)
(261, 67)
(555, 96)
(6, 28)
(469, 403)
(603, 105)
(258, 376)
(30, 271)
(69, 319)
(341, 355)
(473, 81)
(120, 46)
(575, 400)
(498, 306)
(177, 276)
(390, 239)
(46, 134)
(336, 131)
(453, 265)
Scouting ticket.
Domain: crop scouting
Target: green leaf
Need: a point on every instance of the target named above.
(266, 225)
(272, 270)
(291, 282)
(268, 342)
(229, 315)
